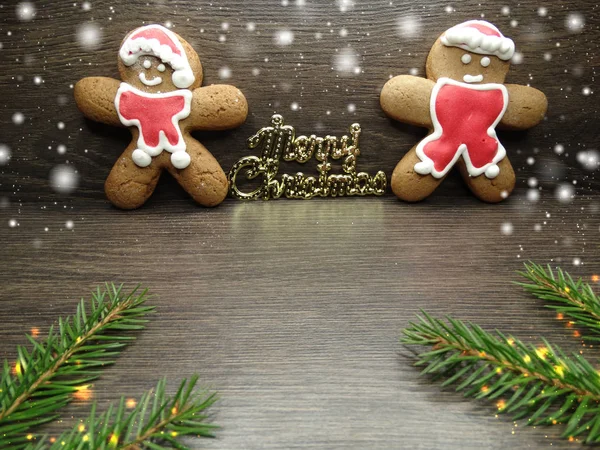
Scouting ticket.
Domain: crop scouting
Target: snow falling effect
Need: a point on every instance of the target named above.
(89, 36)
(575, 23)
(408, 27)
(4, 154)
(283, 38)
(26, 11)
(346, 62)
(64, 179)
(558, 172)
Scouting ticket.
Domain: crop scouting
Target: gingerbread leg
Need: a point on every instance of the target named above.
(204, 178)
(409, 185)
(128, 186)
(492, 190)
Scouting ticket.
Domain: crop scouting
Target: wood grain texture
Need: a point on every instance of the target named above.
(292, 309)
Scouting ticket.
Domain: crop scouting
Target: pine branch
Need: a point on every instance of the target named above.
(156, 423)
(540, 384)
(571, 298)
(46, 377)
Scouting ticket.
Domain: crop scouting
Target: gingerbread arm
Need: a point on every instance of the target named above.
(95, 98)
(526, 107)
(217, 107)
(406, 98)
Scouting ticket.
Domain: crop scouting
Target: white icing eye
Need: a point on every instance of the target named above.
(466, 58)
(485, 61)
(161, 68)
(147, 63)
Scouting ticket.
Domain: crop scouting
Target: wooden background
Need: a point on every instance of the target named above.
(292, 310)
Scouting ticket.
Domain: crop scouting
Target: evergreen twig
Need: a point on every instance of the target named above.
(573, 298)
(156, 422)
(46, 377)
(541, 384)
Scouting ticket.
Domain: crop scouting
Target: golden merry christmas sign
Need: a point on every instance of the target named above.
(279, 142)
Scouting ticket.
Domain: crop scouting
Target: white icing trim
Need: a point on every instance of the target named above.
(152, 82)
(466, 58)
(183, 76)
(473, 78)
(426, 166)
(485, 61)
(473, 40)
(163, 143)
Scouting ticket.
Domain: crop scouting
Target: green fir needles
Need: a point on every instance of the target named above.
(157, 422)
(574, 299)
(540, 384)
(48, 375)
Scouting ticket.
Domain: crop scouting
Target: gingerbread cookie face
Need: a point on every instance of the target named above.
(467, 100)
(161, 100)
(464, 66)
(155, 59)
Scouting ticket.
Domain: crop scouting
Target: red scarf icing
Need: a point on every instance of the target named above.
(156, 116)
(464, 118)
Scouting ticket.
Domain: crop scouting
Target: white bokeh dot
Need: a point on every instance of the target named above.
(64, 178)
(559, 149)
(18, 118)
(507, 228)
(283, 38)
(89, 36)
(575, 22)
(224, 73)
(5, 154)
(25, 11)
(69, 224)
(564, 193)
(61, 149)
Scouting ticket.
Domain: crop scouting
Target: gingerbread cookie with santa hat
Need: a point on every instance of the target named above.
(462, 101)
(161, 101)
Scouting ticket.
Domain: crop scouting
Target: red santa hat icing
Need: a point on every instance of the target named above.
(161, 42)
(479, 36)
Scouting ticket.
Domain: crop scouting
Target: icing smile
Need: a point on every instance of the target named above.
(468, 78)
(153, 81)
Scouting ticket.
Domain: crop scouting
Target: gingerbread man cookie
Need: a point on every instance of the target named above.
(161, 100)
(461, 101)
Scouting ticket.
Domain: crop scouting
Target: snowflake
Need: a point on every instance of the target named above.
(69, 224)
(559, 149)
(533, 195)
(346, 61)
(542, 11)
(517, 58)
(64, 178)
(408, 26)
(575, 22)
(224, 73)
(25, 11)
(283, 38)
(507, 228)
(564, 193)
(86, 6)
(4, 154)
(18, 118)
(61, 149)
(345, 5)
(589, 159)
(351, 108)
(89, 36)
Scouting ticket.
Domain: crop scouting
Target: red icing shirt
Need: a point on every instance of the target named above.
(156, 116)
(464, 118)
